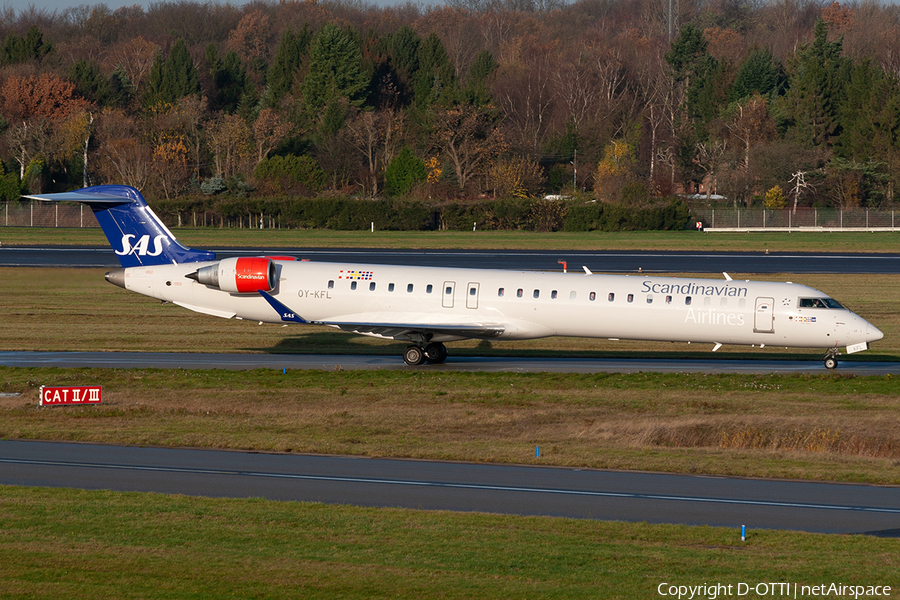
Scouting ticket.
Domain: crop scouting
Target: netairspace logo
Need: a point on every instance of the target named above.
(771, 589)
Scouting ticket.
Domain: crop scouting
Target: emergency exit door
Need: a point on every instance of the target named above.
(447, 299)
(472, 295)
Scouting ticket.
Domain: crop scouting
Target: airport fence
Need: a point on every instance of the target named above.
(47, 214)
(801, 219)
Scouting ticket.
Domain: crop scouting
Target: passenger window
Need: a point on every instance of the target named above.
(723, 302)
(611, 297)
(372, 287)
(449, 290)
(668, 299)
(572, 295)
(352, 285)
(519, 293)
(500, 292)
(331, 284)
(592, 296)
(409, 288)
(706, 301)
(649, 299)
(537, 293)
(631, 297)
(428, 288)
(390, 287)
(687, 300)
(742, 302)
(473, 291)
(553, 295)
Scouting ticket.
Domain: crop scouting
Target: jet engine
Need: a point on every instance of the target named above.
(243, 275)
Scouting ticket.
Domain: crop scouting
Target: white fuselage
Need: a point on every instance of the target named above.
(525, 304)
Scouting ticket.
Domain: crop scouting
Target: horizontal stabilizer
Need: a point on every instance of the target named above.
(84, 198)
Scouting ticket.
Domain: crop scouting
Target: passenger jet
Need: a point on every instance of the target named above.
(429, 306)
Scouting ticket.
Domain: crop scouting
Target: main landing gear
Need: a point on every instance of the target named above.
(433, 353)
(831, 358)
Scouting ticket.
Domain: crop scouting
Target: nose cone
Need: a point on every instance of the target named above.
(873, 334)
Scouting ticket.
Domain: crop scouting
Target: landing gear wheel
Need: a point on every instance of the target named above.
(831, 358)
(413, 356)
(435, 353)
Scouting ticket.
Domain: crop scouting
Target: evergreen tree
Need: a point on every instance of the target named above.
(403, 173)
(477, 89)
(173, 77)
(292, 50)
(404, 47)
(435, 79)
(230, 82)
(700, 77)
(869, 114)
(817, 87)
(760, 73)
(17, 50)
(89, 82)
(335, 71)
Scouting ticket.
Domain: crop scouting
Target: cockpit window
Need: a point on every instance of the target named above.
(819, 303)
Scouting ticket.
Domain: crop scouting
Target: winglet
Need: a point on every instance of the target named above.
(283, 311)
(727, 276)
(586, 270)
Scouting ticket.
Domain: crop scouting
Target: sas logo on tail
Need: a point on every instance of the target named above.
(141, 247)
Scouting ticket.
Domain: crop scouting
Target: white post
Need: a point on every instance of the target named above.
(373, 226)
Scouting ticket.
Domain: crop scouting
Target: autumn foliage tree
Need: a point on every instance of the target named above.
(188, 90)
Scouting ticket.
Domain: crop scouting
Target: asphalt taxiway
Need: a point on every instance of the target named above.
(530, 260)
(431, 485)
(333, 362)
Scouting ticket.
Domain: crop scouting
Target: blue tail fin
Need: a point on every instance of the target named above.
(136, 234)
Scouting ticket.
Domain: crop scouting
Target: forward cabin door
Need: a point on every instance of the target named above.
(764, 316)
(448, 289)
(472, 295)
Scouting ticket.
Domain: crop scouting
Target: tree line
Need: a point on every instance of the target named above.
(790, 102)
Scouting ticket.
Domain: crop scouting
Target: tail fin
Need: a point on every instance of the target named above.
(136, 234)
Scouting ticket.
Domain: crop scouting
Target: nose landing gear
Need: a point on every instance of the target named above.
(831, 358)
(433, 353)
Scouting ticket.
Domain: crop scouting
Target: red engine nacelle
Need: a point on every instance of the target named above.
(242, 275)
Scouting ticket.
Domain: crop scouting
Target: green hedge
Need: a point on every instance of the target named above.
(528, 214)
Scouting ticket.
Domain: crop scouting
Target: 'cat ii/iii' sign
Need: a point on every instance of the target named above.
(58, 396)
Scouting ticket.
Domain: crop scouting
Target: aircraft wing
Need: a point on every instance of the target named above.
(404, 330)
(392, 330)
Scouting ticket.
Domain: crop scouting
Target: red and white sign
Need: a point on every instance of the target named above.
(59, 396)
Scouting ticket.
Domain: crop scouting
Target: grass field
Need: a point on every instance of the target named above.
(86, 545)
